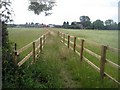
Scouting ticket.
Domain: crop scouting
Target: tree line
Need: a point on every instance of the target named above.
(85, 23)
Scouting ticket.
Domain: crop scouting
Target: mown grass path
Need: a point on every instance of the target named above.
(60, 67)
(55, 54)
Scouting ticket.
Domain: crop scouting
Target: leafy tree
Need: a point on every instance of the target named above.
(85, 21)
(98, 24)
(9, 78)
(73, 23)
(67, 23)
(110, 24)
(64, 23)
(5, 11)
(84, 18)
(38, 6)
(114, 26)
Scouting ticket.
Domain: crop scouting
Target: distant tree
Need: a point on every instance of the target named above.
(64, 23)
(67, 23)
(110, 24)
(98, 24)
(38, 6)
(32, 23)
(84, 18)
(36, 23)
(73, 23)
(26, 23)
(85, 21)
(114, 26)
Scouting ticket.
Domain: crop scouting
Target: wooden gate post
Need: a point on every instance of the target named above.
(81, 50)
(34, 52)
(68, 40)
(74, 43)
(103, 60)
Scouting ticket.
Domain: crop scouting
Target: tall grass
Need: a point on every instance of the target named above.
(58, 67)
(23, 36)
(105, 37)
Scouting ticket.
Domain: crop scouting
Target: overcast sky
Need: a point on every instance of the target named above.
(67, 10)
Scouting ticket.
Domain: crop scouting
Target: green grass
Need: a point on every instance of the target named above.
(57, 66)
(23, 36)
(105, 37)
(96, 36)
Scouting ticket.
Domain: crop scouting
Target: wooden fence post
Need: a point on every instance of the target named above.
(34, 52)
(41, 44)
(64, 37)
(74, 43)
(49, 33)
(81, 50)
(68, 40)
(15, 55)
(44, 39)
(103, 60)
(58, 33)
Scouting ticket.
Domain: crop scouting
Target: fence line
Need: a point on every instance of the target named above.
(101, 57)
(37, 47)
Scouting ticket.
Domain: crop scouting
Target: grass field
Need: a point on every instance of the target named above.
(106, 37)
(58, 66)
(23, 36)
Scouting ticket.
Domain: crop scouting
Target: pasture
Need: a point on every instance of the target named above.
(105, 37)
(59, 66)
(23, 36)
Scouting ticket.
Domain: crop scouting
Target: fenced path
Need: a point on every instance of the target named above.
(56, 54)
(62, 61)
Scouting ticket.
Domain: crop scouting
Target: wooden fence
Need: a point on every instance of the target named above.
(37, 47)
(65, 38)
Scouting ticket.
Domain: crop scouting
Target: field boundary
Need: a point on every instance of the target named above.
(37, 46)
(65, 38)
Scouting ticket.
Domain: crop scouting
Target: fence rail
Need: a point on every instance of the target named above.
(37, 47)
(102, 58)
